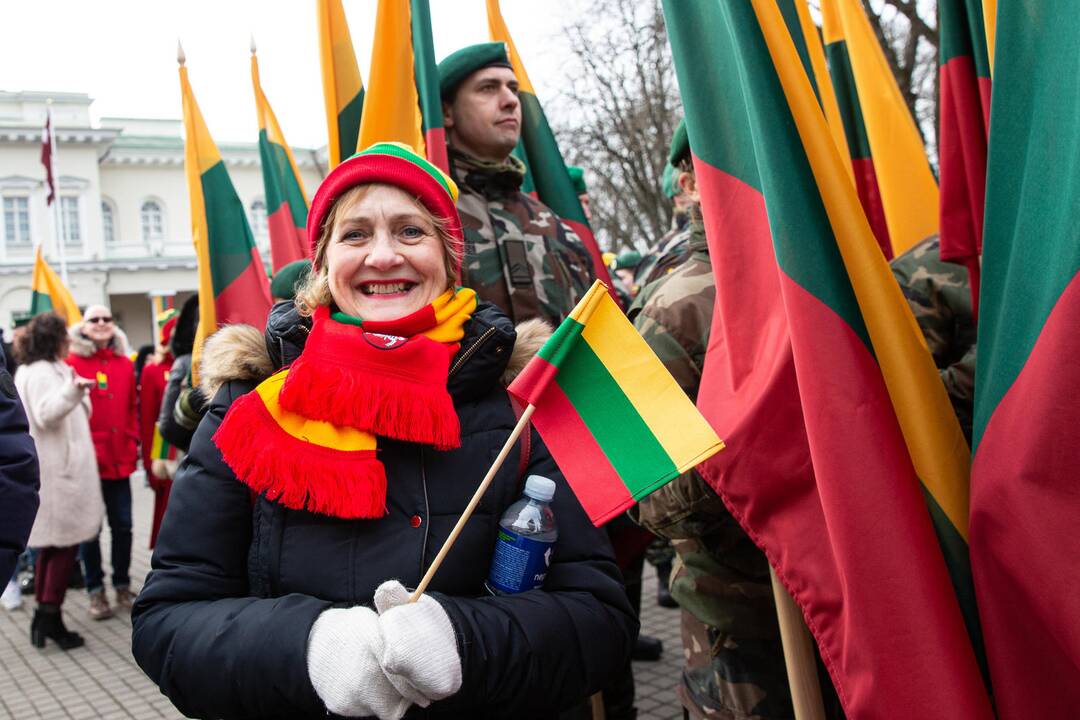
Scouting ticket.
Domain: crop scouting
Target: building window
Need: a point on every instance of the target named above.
(108, 225)
(17, 223)
(258, 220)
(152, 218)
(69, 219)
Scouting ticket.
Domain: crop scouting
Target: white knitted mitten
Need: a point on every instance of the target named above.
(344, 649)
(420, 654)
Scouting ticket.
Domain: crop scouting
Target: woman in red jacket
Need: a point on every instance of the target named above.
(99, 352)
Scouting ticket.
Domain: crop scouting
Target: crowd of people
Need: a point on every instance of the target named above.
(306, 473)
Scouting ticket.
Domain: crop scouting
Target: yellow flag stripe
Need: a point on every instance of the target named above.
(990, 20)
(340, 74)
(931, 432)
(391, 105)
(909, 191)
(199, 151)
(501, 33)
(663, 406)
(316, 432)
(268, 122)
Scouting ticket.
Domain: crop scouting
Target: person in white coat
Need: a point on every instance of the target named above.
(58, 408)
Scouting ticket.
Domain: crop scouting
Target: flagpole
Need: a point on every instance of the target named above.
(798, 656)
(523, 421)
(58, 232)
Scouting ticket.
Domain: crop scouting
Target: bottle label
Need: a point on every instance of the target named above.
(520, 562)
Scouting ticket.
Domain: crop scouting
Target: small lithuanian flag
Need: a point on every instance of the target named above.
(47, 293)
(615, 420)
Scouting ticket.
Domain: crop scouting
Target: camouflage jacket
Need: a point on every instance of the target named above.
(518, 254)
(670, 251)
(735, 665)
(939, 294)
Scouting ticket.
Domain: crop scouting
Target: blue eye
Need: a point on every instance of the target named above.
(352, 236)
(411, 232)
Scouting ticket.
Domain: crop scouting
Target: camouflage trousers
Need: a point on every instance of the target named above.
(734, 670)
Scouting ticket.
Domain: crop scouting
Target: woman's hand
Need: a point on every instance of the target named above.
(83, 383)
(420, 655)
(344, 649)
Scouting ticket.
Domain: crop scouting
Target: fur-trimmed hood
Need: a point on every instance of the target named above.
(84, 346)
(240, 352)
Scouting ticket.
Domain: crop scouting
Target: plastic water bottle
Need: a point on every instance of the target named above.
(526, 540)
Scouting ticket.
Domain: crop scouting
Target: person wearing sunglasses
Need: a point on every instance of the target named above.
(99, 351)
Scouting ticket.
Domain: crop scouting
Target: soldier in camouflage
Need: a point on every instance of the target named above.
(673, 248)
(939, 294)
(731, 638)
(518, 254)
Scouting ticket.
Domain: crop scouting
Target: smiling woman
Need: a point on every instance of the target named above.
(336, 456)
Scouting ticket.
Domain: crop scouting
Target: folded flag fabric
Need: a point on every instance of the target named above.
(160, 448)
(615, 420)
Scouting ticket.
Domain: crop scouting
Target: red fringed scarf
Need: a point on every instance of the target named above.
(306, 435)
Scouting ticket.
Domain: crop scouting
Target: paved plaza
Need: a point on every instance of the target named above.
(101, 679)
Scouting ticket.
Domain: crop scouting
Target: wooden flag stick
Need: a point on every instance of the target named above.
(798, 656)
(523, 421)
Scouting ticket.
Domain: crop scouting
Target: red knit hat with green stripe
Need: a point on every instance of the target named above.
(393, 164)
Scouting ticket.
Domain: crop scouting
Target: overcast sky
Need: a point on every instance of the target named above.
(123, 54)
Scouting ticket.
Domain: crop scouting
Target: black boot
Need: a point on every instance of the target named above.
(663, 594)
(48, 623)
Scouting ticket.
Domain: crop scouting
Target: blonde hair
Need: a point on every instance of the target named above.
(315, 290)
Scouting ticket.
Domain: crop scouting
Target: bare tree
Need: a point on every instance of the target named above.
(617, 113)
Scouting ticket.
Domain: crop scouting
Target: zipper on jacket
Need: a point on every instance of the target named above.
(471, 350)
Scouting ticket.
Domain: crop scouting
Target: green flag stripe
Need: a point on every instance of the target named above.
(1030, 247)
(791, 19)
(348, 122)
(963, 32)
(958, 561)
(40, 303)
(561, 342)
(425, 70)
(806, 249)
(230, 240)
(634, 452)
(847, 98)
(552, 180)
(280, 183)
(721, 139)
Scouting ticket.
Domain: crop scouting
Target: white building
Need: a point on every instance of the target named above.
(122, 206)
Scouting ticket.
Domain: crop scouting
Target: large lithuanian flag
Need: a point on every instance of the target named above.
(286, 201)
(1025, 496)
(893, 177)
(615, 420)
(962, 135)
(402, 100)
(547, 171)
(47, 292)
(232, 282)
(343, 91)
(838, 429)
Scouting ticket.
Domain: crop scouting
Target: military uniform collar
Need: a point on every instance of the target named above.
(490, 179)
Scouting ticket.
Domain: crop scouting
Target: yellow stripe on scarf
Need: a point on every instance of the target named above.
(316, 432)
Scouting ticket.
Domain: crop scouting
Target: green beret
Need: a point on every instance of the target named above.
(287, 278)
(628, 260)
(680, 145)
(459, 65)
(667, 184)
(577, 176)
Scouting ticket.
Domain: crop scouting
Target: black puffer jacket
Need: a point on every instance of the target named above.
(223, 621)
